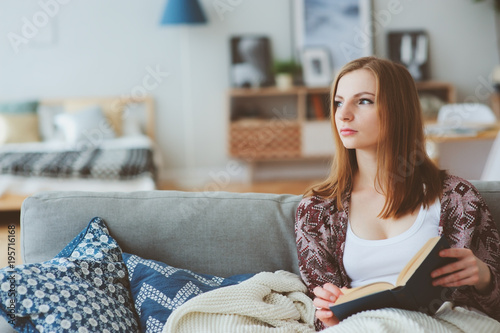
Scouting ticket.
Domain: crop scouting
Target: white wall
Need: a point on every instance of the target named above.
(462, 39)
(463, 51)
(107, 47)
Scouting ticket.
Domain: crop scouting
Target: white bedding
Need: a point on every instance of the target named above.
(26, 185)
(19, 185)
(448, 319)
(139, 141)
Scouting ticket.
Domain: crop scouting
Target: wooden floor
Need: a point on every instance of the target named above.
(10, 238)
(280, 187)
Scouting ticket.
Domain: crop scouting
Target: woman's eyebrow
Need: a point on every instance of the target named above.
(357, 95)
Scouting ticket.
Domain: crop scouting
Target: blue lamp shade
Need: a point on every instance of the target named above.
(183, 12)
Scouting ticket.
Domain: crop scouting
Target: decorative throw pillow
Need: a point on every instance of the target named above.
(83, 289)
(158, 289)
(86, 128)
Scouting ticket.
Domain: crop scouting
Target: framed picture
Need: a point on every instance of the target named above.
(316, 66)
(410, 48)
(251, 61)
(344, 27)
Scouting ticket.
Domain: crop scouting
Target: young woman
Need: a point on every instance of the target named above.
(385, 198)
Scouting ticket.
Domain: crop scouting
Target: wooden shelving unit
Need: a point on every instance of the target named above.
(269, 124)
(443, 90)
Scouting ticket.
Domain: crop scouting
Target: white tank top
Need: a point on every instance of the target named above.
(368, 261)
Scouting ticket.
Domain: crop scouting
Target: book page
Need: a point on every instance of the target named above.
(415, 261)
(354, 293)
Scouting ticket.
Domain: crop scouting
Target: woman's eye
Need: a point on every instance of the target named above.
(337, 104)
(365, 101)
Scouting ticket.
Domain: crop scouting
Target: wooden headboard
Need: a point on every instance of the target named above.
(113, 108)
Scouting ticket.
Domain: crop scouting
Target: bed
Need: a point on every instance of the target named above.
(96, 144)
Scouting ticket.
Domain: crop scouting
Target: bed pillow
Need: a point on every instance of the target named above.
(18, 122)
(85, 128)
(158, 289)
(112, 108)
(18, 128)
(46, 125)
(83, 289)
(18, 107)
(134, 120)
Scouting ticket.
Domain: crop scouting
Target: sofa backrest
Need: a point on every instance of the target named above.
(490, 191)
(216, 233)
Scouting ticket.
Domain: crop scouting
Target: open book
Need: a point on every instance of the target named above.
(413, 289)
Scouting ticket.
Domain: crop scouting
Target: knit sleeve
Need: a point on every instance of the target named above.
(470, 225)
(318, 245)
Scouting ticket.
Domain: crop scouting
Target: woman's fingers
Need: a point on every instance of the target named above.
(327, 317)
(321, 303)
(328, 292)
(466, 276)
(467, 270)
(325, 297)
(464, 257)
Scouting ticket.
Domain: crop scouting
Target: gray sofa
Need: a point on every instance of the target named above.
(217, 233)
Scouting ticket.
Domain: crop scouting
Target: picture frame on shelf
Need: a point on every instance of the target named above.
(317, 69)
(411, 49)
(343, 27)
(251, 61)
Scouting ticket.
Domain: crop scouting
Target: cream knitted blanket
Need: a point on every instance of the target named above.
(448, 319)
(267, 302)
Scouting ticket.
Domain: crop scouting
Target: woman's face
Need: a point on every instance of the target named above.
(356, 115)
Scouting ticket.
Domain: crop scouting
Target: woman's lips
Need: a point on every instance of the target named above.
(347, 132)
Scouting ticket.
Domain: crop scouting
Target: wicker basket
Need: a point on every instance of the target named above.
(259, 139)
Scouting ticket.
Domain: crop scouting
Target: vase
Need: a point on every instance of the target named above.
(284, 81)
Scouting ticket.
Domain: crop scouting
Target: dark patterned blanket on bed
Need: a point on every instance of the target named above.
(113, 164)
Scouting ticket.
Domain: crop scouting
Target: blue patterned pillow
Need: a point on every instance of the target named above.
(158, 289)
(83, 289)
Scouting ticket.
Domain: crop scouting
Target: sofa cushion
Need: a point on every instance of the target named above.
(83, 289)
(158, 289)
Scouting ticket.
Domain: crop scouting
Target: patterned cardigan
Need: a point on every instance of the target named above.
(465, 221)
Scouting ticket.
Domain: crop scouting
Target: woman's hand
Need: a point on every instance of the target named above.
(468, 270)
(325, 297)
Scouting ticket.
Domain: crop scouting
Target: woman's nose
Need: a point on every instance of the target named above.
(345, 113)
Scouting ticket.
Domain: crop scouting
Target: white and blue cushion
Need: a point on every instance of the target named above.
(83, 289)
(158, 289)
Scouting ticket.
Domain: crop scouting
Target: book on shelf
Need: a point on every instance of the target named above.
(319, 110)
(413, 289)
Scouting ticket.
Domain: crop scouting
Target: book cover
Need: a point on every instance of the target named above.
(413, 289)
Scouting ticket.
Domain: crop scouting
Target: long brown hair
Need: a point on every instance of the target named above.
(405, 173)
